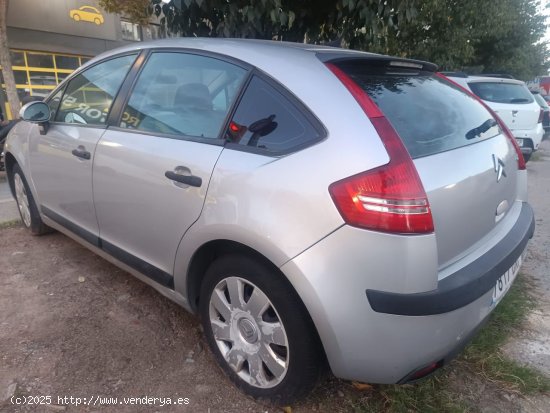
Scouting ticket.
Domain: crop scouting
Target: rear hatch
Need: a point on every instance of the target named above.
(466, 164)
(511, 100)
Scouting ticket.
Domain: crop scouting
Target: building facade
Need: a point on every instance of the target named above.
(48, 39)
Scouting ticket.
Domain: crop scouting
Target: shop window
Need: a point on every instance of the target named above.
(130, 31)
(151, 32)
(61, 76)
(17, 58)
(42, 93)
(20, 77)
(66, 62)
(23, 93)
(40, 60)
(39, 82)
(42, 79)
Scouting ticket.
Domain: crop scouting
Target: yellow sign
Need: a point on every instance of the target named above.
(87, 14)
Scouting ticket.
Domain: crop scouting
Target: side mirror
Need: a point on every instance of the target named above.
(35, 112)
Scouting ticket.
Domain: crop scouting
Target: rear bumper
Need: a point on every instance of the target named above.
(526, 151)
(467, 284)
(531, 137)
(364, 344)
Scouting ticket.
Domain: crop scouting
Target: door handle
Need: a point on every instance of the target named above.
(82, 153)
(190, 180)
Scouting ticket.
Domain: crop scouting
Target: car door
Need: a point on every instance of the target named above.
(61, 159)
(152, 170)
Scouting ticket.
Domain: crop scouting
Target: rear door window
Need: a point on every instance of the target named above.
(430, 114)
(270, 121)
(501, 92)
(540, 100)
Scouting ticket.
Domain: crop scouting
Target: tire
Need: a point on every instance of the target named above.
(26, 205)
(97, 21)
(527, 157)
(76, 17)
(296, 354)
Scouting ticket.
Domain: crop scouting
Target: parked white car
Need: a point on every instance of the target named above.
(514, 103)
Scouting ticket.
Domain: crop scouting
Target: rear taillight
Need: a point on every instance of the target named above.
(389, 198)
(501, 124)
(541, 116)
(510, 136)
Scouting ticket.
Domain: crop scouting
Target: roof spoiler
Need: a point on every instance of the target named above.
(502, 75)
(455, 74)
(388, 61)
(464, 75)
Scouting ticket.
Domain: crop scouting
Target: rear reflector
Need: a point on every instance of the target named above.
(389, 198)
(417, 375)
(507, 132)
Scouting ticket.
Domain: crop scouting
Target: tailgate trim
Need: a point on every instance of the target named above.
(467, 284)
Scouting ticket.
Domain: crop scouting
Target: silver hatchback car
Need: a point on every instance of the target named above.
(313, 205)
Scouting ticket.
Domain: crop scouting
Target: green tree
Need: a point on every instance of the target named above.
(514, 46)
(357, 23)
(475, 35)
(139, 11)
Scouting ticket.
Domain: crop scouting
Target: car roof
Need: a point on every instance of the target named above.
(252, 51)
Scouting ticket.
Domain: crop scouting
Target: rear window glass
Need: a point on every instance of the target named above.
(502, 92)
(265, 119)
(429, 114)
(540, 100)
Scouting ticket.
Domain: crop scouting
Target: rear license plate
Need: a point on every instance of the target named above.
(520, 141)
(505, 281)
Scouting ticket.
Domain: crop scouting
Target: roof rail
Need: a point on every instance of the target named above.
(454, 74)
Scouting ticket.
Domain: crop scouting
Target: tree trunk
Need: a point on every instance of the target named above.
(5, 62)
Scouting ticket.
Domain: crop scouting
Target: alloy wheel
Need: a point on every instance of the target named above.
(249, 332)
(22, 200)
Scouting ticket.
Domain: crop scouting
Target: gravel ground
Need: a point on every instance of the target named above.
(71, 324)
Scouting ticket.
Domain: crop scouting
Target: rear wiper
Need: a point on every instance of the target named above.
(519, 100)
(484, 127)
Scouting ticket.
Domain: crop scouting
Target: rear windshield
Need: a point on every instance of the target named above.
(429, 114)
(502, 92)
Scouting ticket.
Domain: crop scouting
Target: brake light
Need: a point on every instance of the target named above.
(389, 198)
(507, 132)
(541, 115)
(425, 371)
(234, 127)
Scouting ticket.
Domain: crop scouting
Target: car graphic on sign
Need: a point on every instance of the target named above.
(87, 14)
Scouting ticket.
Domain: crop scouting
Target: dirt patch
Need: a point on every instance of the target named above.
(71, 324)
